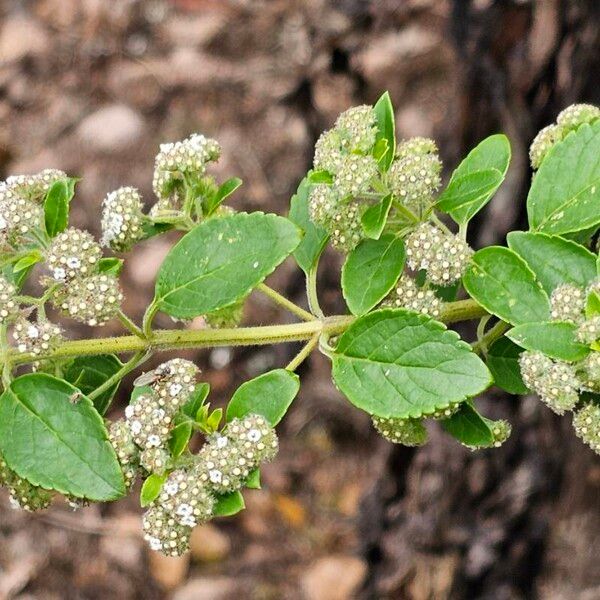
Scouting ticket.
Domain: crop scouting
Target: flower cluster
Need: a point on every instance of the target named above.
(408, 432)
(122, 219)
(23, 495)
(443, 256)
(127, 452)
(586, 422)
(9, 308)
(189, 494)
(568, 120)
(407, 294)
(39, 337)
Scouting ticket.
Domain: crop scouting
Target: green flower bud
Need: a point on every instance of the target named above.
(41, 337)
(73, 253)
(357, 128)
(346, 228)
(23, 495)
(558, 387)
(533, 365)
(164, 534)
(445, 257)
(444, 413)
(122, 219)
(543, 142)
(501, 431)
(567, 303)
(127, 452)
(589, 331)
(577, 114)
(93, 300)
(186, 499)
(408, 432)
(9, 308)
(355, 175)
(328, 152)
(406, 294)
(586, 422)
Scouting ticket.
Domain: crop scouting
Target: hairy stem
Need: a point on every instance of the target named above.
(285, 303)
(130, 325)
(495, 333)
(304, 353)
(311, 293)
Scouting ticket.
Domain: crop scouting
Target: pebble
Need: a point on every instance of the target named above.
(209, 544)
(335, 577)
(206, 588)
(21, 37)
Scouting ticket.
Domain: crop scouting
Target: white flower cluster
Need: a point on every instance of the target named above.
(569, 119)
(23, 495)
(127, 452)
(122, 219)
(443, 256)
(9, 308)
(408, 432)
(407, 294)
(586, 422)
(36, 338)
(73, 253)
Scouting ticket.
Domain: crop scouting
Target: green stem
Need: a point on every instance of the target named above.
(304, 353)
(285, 303)
(496, 332)
(311, 293)
(135, 361)
(148, 318)
(130, 325)
(173, 339)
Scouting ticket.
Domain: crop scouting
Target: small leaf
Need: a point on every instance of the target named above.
(374, 218)
(476, 179)
(386, 128)
(253, 481)
(503, 362)
(53, 437)
(469, 427)
(592, 305)
(110, 266)
(556, 339)
(229, 504)
(319, 177)
(397, 363)
(553, 259)
(56, 205)
(380, 149)
(214, 420)
(151, 489)
(225, 190)
(501, 282)
(269, 395)
(87, 373)
(222, 260)
(565, 192)
(196, 400)
(180, 436)
(27, 261)
(370, 272)
(315, 238)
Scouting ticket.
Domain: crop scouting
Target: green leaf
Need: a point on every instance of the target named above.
(556, 339)
(196, 400)
(225, 190)
(503, 362)
(476, 179)
(386, 128)
(229, 504)
(253, 481)
(269, 395)
(553, 259)
(592, 305)
(370, 272)
(214, 420)
(151, 229)
(27, 261)
(151, 488)
(56, 205)
(501, 282)
(315, 238)
(374, 218)
(469, 427)
(397, 363)
(565, 193)
(110, 266)
(180, 436)
(87, 373)
(54, 437)
(221, 261)
(318, 177)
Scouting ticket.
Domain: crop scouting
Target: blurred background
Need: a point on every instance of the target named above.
(93, 87)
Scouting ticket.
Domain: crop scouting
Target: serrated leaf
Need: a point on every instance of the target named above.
(397, 363)
(110, 266)
(315, 238)
(553, 259)
(370, 272)
(556, 339)
(151, 489)
(225, 190)
(386, 128)
(374, 218)
(56, 206)
(503, 362)
(500, 281)
(469, 427)
(87, 373)
(565, 193)
(269, 395)
(229, 504)
(221, 261)
(476, 179)
(55, 438)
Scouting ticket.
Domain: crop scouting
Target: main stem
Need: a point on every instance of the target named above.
(172, 339)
